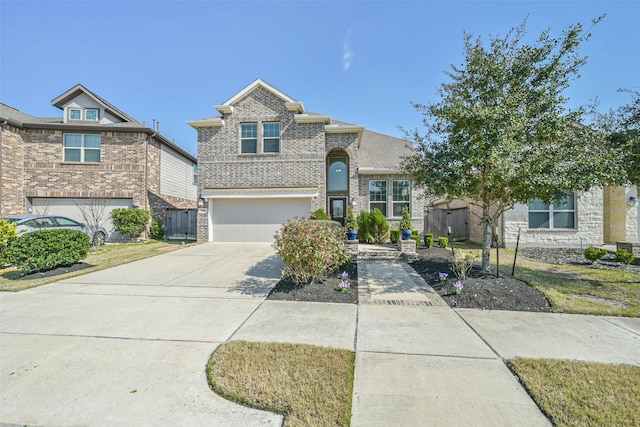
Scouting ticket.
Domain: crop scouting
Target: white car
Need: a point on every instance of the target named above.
(28, 223)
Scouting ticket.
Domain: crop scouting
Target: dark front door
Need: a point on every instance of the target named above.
(337, 208)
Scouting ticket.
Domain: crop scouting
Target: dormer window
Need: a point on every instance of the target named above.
(75, 114)
(91, 114)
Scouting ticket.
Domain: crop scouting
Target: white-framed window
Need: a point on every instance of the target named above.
(560, 215)
(378, 196)
(271, 137)
(248, 138)
(401, 196)
(75, 114)
(195, 174)
(82, 148)
(91, 114)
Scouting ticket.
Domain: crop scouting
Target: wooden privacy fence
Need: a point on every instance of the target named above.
(182, 223)
(437, 222)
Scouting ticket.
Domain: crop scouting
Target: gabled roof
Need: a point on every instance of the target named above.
(15, 116)
(291, 104)
(78, 89)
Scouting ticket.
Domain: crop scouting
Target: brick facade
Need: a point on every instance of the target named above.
(12, 185)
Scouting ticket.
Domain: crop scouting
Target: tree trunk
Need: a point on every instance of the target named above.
(487, 237)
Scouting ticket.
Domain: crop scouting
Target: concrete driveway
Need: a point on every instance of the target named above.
(128, 345)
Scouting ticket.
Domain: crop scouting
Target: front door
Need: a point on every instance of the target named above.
(337, 208)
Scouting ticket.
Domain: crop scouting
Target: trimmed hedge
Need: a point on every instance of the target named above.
(8, 235)
(594, 254)
(130, 222)
(428, 240)
(44, 250)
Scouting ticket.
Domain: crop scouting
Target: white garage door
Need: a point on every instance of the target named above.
(253, 220)
(73, 208)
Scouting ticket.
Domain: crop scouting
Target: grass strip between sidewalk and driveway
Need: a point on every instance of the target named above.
(576, 393)
(309, 385)
(99, 258)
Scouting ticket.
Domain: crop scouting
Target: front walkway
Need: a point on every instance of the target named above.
(129, 345)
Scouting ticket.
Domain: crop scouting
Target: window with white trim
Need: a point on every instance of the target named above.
(195, 174)
(561, 215)
(378, 196)
(271, 137)
(82, 148)
(401, 196)
(91, 114)
(249, 138)
(75, 114)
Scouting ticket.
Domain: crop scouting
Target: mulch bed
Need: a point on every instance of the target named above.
(481, 289)
(324, 291)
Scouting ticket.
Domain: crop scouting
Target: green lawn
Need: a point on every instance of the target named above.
(309, 385)
(99, 258)
(574, 393)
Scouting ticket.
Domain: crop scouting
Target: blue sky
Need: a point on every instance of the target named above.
(360, 62)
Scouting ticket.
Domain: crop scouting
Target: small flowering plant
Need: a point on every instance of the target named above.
(344, 284)
(458, 285)
(442, 276)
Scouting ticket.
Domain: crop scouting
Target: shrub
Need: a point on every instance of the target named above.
(624, 256)
(416, 238)
(351, 222)
(461, 264)
(428, 240)
(320, 215)
(44, 250)
(443, 242)
(310, 249)
(365, 228)
(157, 229)
(130, 222)
(594, 254)
(394, 236)
(405, 222)
(8, 235)
(379, 226)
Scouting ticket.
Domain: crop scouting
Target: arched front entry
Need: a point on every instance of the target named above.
(337, 184)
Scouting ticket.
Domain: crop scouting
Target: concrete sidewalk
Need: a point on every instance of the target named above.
(129, 345)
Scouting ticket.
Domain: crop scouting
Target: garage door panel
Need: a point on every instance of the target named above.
(254, 220)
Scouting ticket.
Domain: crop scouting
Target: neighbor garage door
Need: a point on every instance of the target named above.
(253, 220)
(72, 208)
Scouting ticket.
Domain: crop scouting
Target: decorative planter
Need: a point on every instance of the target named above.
(406, 234)
(352, 234)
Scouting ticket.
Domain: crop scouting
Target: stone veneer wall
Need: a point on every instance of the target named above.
(12, 200)
(589, 225)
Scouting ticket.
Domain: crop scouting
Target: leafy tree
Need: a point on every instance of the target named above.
(622, 130)
(502, 134)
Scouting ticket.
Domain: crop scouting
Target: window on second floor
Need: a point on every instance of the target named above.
(378, 196)
(75, 114)
(82, 148)
(271, 137)
(91, 114)
(558, 215)
(248, 138)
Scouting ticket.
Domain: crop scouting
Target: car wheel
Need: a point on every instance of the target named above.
(98, 238)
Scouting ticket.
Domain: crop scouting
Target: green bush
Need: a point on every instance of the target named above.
(351, 222)
(44, 250)
(443, 242)
(379, 226)
(130, 222)
(320, 215)
(416, 238)
(624, 256)
(405, 222)
(428, 240)
(157, 229)
(8, 235)
(394, 236)
(310, 249)
(365, 228)
(594, 254)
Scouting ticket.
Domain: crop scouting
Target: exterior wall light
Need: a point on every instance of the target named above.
(353, 202)
(632, 201)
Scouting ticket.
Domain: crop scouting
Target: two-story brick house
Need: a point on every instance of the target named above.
(93, 157)
(264, 160)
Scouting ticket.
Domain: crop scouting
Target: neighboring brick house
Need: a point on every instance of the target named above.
(265, 160)
(93, 155)
(594, 217)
